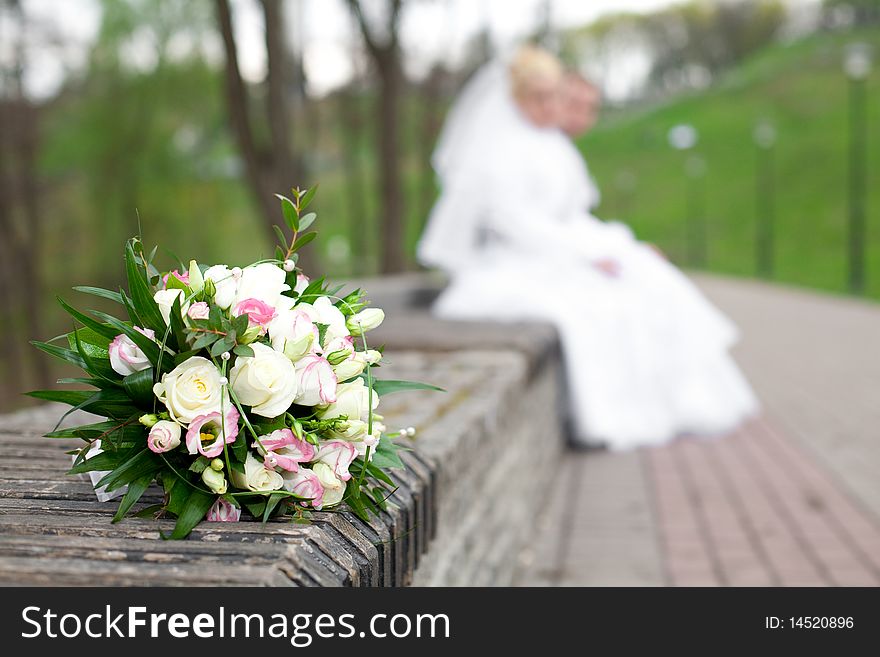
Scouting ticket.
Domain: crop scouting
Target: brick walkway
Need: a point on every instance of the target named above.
(791, 499)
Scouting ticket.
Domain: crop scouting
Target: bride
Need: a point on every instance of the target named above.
(646, 355)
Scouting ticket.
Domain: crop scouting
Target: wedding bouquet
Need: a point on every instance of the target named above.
(236, 389)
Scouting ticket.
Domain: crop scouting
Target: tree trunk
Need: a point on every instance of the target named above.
(27, 142)
(272, 172)
(354, 178)
(388, 126)
(10, 338)
(288, 170)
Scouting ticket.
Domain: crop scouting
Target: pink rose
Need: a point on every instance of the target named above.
(338, 455)
(259, 312)
(164, 436)
(315, 381)
(199, 310)
(284, 450)
(183, 278)
(125, 356)
(223, 511)
(305, 484)
(205, 433)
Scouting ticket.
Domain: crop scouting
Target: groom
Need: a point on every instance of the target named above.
(581, 101)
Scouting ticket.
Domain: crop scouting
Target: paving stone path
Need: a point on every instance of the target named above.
(790, 499)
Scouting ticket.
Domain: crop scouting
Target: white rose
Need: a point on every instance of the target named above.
(225, 284)
(265, 381)
(256, 476)
(315, 381)
(191, 389)
(352, 400)
(125, 356)
(165, 300)
(365, 320)
(334, 487)
(264, 282)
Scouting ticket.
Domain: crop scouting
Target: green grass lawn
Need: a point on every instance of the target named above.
(801, 90)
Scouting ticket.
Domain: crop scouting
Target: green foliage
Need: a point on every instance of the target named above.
(800, 89)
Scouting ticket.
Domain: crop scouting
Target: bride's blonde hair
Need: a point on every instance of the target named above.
(532, 63)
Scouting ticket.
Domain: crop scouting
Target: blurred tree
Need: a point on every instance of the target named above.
(687, 44)
(277, 166)
(863, 12)
(382, 40)
(21, 288)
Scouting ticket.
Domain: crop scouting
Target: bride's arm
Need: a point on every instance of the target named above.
(516, 214)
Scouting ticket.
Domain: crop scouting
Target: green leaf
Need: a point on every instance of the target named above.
(380, 495)
(289, 211)
(239, 447)
(139, 289)
(256, 509)
(244, 351)
(194, 510)
(178, 337)
(174, 283)
(386, 455)
(280, 234)
(240, 324)
(103, 461)
(72, 397)
(306, 198)
(144, 462)
(96, 359)
(139, 386)
(353, 499)
(271, 504)
(389, 386)
(375, 470)
(95, 346)
(98, 328)
(148, 346)
(99, 292)
(200, 464)
(136, 488)
(151, 512)
(109, 430)
(131, 310)
(302, 240)
(103, 384)
(206, 340)
(307, 220)
(221, 346)
(177, 492)
(69, 355)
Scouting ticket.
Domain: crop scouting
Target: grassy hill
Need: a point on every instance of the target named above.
(799, 88)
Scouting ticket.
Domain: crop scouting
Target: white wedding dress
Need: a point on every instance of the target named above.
(646, 354)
